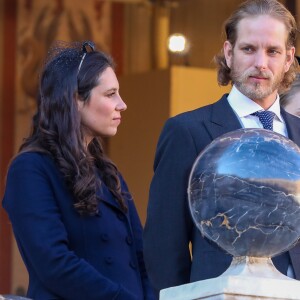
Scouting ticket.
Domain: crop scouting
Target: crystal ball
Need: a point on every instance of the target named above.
(244, 192)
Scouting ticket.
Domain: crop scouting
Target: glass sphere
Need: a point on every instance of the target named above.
(244, 192)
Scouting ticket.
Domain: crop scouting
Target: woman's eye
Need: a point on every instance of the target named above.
(111, 94)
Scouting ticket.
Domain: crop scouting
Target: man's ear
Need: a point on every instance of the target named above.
(228, 52)
(290, 55)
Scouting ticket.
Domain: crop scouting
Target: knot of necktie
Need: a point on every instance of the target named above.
(266, 118)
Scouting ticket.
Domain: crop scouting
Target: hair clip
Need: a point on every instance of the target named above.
(87, 47)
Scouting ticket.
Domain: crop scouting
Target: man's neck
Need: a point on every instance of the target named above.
(266, 102)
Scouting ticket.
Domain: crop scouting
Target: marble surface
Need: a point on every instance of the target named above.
(247, 278)
(12, 297)
(234, 287)
(244, 192)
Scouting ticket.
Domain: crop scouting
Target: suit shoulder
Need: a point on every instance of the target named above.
(199, 114)
(294, 117)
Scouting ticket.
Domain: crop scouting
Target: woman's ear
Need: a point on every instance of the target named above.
(80, 103)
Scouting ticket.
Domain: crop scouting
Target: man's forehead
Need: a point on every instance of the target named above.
(263, 28)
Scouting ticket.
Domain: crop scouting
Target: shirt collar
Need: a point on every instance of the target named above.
(244, 106)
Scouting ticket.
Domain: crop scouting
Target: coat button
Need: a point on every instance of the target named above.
(129, 240)
(99, 214)
(104, 237)
(121, 216)
(132, 265)
(108, 260)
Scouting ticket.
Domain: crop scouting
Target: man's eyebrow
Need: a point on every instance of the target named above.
(275, 47)
(246, 44)
(243, 44)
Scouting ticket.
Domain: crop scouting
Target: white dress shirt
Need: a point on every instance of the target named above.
(244, 107)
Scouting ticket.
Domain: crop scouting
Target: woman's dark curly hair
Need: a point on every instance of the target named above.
(69, 75)
(253, 8)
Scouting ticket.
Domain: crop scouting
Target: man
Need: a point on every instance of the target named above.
(258, 58)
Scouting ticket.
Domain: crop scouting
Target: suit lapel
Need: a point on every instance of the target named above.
(223, 119)
(293, 126)
(295, 259)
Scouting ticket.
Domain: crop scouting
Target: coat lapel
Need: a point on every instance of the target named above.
(106, 196)
(223, 119)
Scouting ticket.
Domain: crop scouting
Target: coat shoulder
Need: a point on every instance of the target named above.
(31, 158)
(30, 161)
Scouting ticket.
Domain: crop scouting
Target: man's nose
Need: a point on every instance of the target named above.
(261, 60)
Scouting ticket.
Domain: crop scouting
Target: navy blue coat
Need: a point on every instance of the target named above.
(169, 228)
(69, 256)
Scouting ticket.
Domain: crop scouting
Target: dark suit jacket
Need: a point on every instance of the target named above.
(169, 228)
(69, 256)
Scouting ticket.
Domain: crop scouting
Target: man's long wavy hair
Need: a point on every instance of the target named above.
(57, 129)
(253, 8)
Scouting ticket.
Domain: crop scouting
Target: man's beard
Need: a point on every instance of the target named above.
(256, 91)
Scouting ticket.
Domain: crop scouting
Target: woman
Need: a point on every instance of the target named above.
(72, 215)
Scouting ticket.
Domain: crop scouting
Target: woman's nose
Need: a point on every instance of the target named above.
(121, 105)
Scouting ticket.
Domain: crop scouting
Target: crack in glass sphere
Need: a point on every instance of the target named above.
(244, 192)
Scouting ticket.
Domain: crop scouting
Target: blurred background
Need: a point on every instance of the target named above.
(164, 52)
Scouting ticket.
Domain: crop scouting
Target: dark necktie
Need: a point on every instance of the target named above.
(266, 118)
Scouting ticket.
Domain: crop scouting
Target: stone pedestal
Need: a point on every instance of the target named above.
(247, 278)
(12, 297)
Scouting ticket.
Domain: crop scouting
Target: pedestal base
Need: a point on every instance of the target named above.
(246, 279)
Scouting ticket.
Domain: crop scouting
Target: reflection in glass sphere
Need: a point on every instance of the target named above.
(244, 192)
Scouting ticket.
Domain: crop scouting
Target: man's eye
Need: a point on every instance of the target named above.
(273, 51)
(247, 49)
